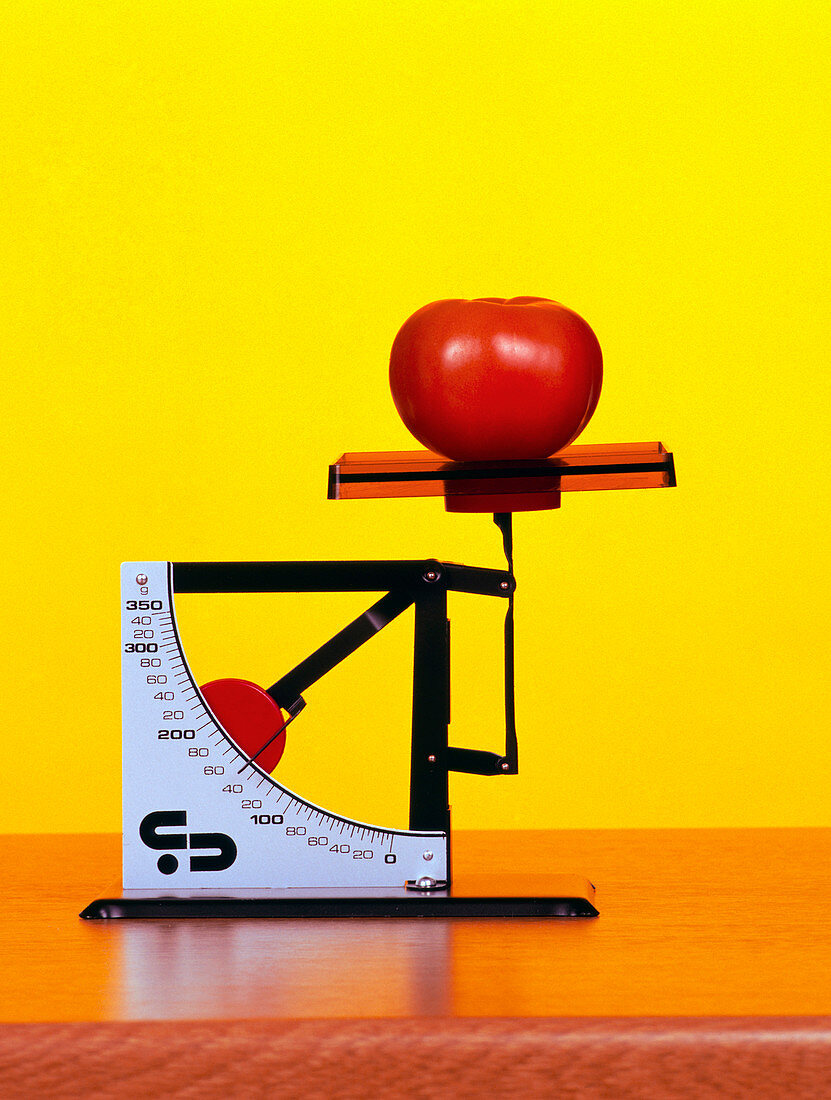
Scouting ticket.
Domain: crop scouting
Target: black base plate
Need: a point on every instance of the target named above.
(171, 908)
(471, 896)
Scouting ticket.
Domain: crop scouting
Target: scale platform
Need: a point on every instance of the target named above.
(209, 830)
(501, 486)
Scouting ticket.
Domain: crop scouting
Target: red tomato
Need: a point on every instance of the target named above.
(495, 378)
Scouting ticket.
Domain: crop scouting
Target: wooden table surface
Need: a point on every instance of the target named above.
(708, 970)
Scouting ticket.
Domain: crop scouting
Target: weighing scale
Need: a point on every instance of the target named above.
(209, 830)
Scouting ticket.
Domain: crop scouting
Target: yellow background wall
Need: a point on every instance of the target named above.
(215, 217)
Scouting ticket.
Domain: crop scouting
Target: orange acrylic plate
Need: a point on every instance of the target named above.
(361, 475)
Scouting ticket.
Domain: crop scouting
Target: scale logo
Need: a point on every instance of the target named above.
(224, 846)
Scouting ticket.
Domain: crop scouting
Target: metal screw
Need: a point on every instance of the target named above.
(431, 759)
(431, 576)
(425, 882)
(504, 585)
(141, 578)
(428, 856)
(505, 765)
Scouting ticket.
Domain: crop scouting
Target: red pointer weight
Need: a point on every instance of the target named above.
(250, 716)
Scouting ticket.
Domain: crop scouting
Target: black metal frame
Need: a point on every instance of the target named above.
(422, 583)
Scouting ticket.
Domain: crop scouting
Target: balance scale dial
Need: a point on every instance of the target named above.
(198, 813)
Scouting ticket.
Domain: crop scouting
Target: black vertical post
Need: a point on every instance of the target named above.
(429, 808)
(510, 764)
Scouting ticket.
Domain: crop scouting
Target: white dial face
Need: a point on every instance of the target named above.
(198, 815)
